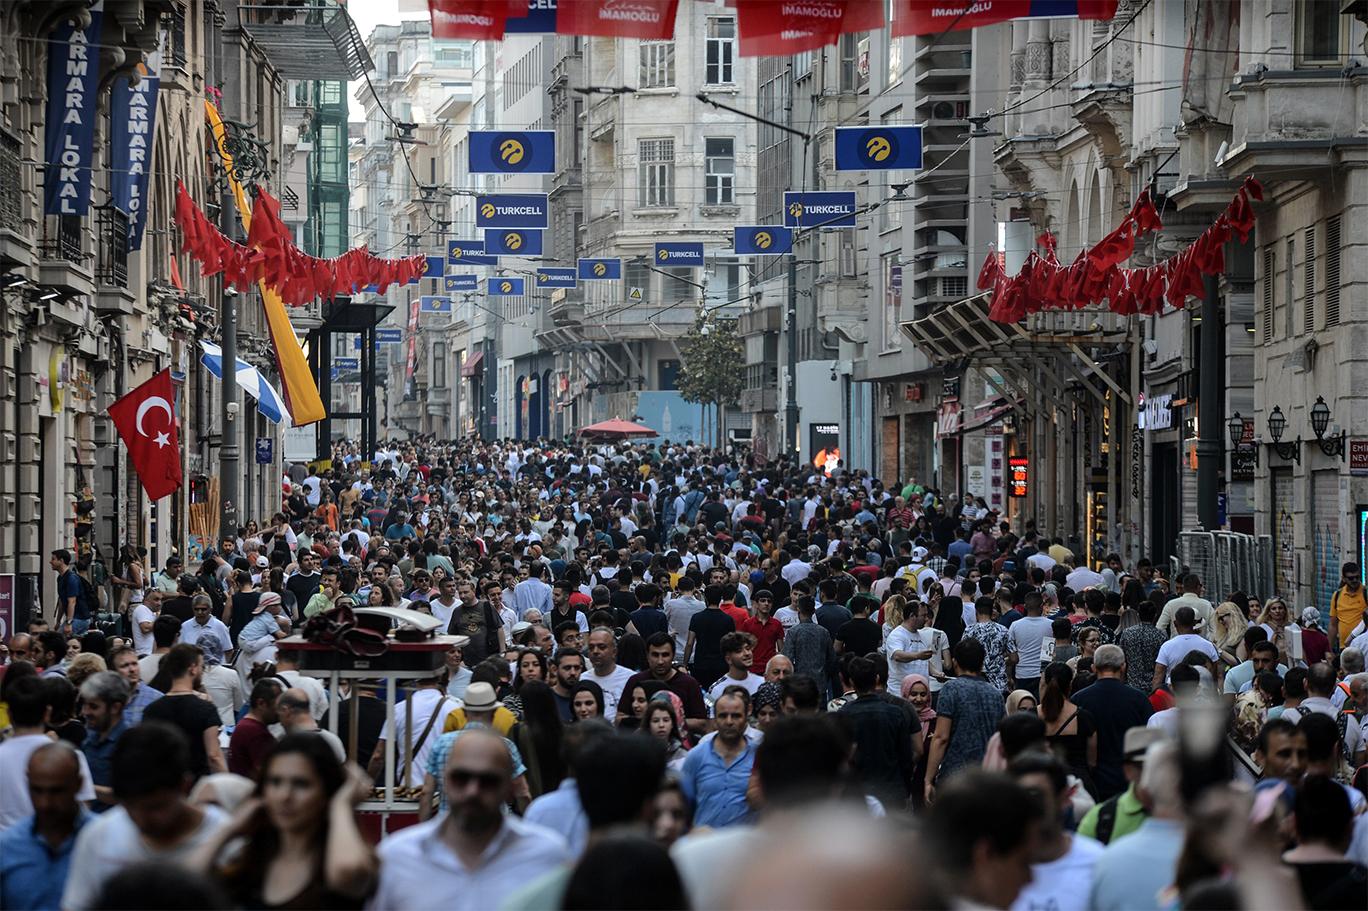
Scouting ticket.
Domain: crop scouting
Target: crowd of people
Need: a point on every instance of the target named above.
(685, 678)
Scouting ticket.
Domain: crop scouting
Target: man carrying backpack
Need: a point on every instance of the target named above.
(1122, 814)
(73, 606)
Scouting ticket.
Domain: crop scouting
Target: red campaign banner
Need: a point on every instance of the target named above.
(650, 20)
(480, 20)
(774, 28)
(931, 17)
(146, 421)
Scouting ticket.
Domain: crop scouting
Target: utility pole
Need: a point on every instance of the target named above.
(1209, 445)
(228, 435)
(791, 307)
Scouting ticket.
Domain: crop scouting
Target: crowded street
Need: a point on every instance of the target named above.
(501, 455)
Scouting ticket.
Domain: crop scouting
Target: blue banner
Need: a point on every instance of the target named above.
(550, 277)
(513, 242)
(883, 148)
(540, 19)
(762, 240)
(506, 287)
(347, 364)
(679, 254)
(265, 450)
(511, 210)
(600, 270)
(824, 210)
(469, 253)
(460, 283)
(512, 152)
(132, 120)
(389, 336)
(430, 303)
(72, 82)
(436, 268)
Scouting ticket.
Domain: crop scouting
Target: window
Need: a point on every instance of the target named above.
(892, 285)
(637, 275)
(1269, 265)
(391, 63)
(954, 286)
(439, 366)
(723, 281)
(1318, 33)
(678, 285)
(721, 51)
(655, 176)
(1332, 271)
(667, 374)
(657, 64)
(720, 177)
(1288, 293)
(1309, 280)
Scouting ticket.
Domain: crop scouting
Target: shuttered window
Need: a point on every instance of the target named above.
(1309, 280)
(1269, 261)
(1332, 271)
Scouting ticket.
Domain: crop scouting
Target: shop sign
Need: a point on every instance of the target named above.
(1358, 457)
(1157, 413)
(1020, 476)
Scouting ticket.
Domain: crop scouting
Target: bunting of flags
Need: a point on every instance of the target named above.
(1096, 276)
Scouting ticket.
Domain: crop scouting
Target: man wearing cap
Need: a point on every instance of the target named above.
(1122, 814)
(1134, 873)
(480, 705)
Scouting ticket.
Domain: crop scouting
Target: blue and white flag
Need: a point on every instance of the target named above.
(676, 254)
(269, 401)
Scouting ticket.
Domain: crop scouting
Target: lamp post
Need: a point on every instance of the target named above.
(1277, 423)
(1320, 421)
(1235, 427)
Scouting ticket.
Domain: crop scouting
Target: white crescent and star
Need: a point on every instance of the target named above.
(155, 401)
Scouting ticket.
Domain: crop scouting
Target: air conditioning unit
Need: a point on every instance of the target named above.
(943, 110)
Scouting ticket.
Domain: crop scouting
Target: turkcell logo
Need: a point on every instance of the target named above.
(389, 336)
(820, 210)
(435, 267)
(762, 240)
(670, 254)
(540, 18)
(551, 277)
(511, 210)
(469, 253)
(512, 152)
(505, 287)
(460, 283)
(882, 148)
(600, 270)
(513, 242)
(430, 303)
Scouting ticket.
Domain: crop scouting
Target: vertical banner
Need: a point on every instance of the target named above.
(411, 357)
(73, 78)
(133, 121)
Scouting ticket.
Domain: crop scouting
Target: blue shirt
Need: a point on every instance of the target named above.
(32, 874)
(561, 811)
(532, 593)
(717, 790)
(99, 754)
(1135, 868)
(142, 697)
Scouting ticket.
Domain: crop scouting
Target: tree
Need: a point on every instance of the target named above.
(713, 370)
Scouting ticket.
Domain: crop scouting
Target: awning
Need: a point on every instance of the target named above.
(996, 411)
(472, 366)
(249, 379)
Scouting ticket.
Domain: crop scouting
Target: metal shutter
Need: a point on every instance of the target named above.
(1327, 550)
(1284, 528)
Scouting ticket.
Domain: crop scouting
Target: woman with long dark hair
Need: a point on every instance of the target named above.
(301, 847)
(538, 736)
(1070, 731)
(529, 667)
(586, 701)
(950, 619)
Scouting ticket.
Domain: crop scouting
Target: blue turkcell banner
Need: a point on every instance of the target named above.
(72, 82)
(552, 277)
(512, 152)
(132, 120)
(513, 242)
(675, 254)
(505, 287)
(347, 364)
(436, 267)
(431, 303)
(540, 19)
(469, 253)
(762, 240)
(389, 336)
(599, 270)
(879, 148)
(511, 210)
(832, 209)
(460, 283)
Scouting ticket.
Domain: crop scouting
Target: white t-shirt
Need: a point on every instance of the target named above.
(312, 484)
(1176, 649)
(751, 683)
(112, 844)
(143, 642)
(902, 639)
(612, 685)
(443, 612)
(938, 642)
(788, 618)
(425, 702)
(1082, 578)
(1063, 884)
(1024, 637)
(14, 795)
(148, 667)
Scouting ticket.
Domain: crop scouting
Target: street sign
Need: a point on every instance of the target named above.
(430, 303)
(762, 240)
(513, 242)
(511, 210)
(555, 277)
(505, 287)
(512, 151)
(600, 270)
(468, 253)
(1358, 456)
(673, 254)
(825, 210)
(634, 294)
(878, 148)
(460, 283)
(265, 450)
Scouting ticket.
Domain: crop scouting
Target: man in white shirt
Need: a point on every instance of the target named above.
(28, 709)
(1024, 639)
(312, 488)
(144, 615)
(1191, 584)
(445, 604)
(1082, 577)
(611, 677)
(797, 569)
(906, 650)
(204, 628)
(738, 652)
(427, 701)
(1183, 642)
(426, 866)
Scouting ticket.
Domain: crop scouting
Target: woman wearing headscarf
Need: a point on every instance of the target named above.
(916, 689)
(950, 619)
(677, 706)
(767, 705)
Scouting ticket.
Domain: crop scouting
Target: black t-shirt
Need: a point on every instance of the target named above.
(243, 605)
(713, 512)
(193, 716)
(178, 607)
(860, 635)
(623, 601)
(477, 622)
(648, 620)
(303, 587)
(708, 627)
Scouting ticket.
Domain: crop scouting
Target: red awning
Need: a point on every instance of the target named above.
(616, 429)
(472, 366)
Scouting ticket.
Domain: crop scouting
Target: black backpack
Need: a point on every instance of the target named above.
(88, 599)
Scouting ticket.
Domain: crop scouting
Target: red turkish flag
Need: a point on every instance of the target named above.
(146, 420)
(650, 20)
(480, 20)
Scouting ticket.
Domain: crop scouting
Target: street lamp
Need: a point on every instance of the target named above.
(1320, 421)
(1277, 423)
(1235, 426)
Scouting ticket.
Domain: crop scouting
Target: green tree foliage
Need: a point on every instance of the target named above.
(713, 372)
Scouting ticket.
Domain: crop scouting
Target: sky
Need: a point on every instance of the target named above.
(368, 14)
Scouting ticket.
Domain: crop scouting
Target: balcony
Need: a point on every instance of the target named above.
(15, 246)
(63, 262)
(111, 266)
(759, 400)
(1301, 121)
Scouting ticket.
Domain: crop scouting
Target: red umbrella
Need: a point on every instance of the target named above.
(616, 430)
